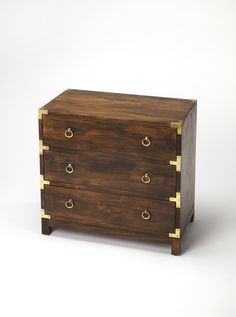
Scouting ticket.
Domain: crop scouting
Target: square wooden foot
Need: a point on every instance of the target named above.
(46, 229)
(175, 246)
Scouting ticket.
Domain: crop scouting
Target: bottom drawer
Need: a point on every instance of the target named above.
(109, 210)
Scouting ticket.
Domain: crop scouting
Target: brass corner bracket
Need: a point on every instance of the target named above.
(176, 234)
(177, 163)
(177, 125)
(176, 200)
(43, 215)
(42, 147)
(41, 112)
(43, 182)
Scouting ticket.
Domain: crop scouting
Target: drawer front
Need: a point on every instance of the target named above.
(96, 208)
(155, 180)
(110, 139)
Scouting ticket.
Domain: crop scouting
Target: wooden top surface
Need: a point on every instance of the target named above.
(120, 106)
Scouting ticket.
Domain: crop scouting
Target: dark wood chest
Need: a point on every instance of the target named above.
(118, 164)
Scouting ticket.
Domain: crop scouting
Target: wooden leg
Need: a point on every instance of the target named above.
(192, 218)
(175, 246)
(46, 229)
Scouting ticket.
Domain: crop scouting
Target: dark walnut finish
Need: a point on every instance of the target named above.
(110, 210)
(129, 176)
(110, 138)
(118, 164)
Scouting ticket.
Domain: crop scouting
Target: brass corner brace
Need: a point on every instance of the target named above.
(176, 234)
(41, 113)
(177, 125)
(176, 200)
(177, 163)
(43, 182)
(42, 147)
(43, 215)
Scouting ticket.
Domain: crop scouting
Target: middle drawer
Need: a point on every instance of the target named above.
(153, 180)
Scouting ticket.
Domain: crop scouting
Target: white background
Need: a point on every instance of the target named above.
(167, 48)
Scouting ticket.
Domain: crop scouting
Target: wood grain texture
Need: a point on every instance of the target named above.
(188, 150)
(110, 174)
(175, 246)
(108, 210)
(109, 161)
(41, 167)
(115, 106)
(46, 227)
(110, 139)
(121, 233)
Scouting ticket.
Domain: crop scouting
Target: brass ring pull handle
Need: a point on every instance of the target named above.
(69, 204)
(146, 179)
(69, 169)
(146, 215)
(146, 141)
(69, 133)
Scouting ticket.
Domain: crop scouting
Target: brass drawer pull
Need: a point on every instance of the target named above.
(146, 141)
(69, 204)
(69, 169)
(146, 215)
(146, 179)
(69, 133)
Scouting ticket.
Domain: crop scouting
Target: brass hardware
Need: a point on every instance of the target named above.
(41, 112)
(43, 215)
(43, 182)
(177, 125)
(42, 147)
(176, 234)
(146, 179)
(176, 200)
(69, 204)
(146, 215)
(177, 163)
(69, 168)
(146, 141)
(69, 133)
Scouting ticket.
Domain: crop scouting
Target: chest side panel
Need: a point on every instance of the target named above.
(188, 150)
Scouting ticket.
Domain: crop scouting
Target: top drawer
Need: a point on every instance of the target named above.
(110, 138)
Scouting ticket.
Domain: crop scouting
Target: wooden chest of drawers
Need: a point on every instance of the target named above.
(118, 164)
